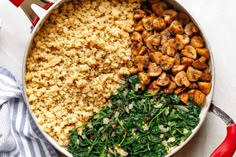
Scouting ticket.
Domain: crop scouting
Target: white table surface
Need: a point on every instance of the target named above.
(217, 19)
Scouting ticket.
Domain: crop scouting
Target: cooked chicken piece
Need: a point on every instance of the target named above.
(133, 70)
(176, 28)
(202, 59)
(144, 79)
(154, 70)
(186, 61)
(190, 29)
(184, 97)
(159, 24)
(141, 62)
(193, 86)
(148, 42)
(139, 27)
(193, 74)
(179, 90)
(153, 91)
(199, 65)
(135, 48)
(177, 68)
(203, 52)
(181, 79)
(191, 93)
(205, 87)
(153, 41)
(169, 48)
(181, 41)
(189, 52)
(170, 88)
(177, 59)
(199, 98)
(139, 14)
(169, 15)
(136, 36)
(183, 18)
(206, 76)
(159, 8)
(154, 85)
(163, 79)
(165, 36)
(197, 41)
(166, 62)
(153, 88)
(146, 34)
(156, 39)
(148, 22)
(156, 57)
(142, 50)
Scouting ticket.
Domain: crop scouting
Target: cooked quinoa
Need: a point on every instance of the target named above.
(77, 60)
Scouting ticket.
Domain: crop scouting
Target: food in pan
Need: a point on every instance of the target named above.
(78, 59)
(75, 77)
(169, 53)
(136, 123)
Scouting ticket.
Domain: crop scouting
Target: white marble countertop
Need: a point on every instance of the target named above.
(217, 19)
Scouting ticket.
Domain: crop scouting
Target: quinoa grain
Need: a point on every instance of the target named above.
(77, 60)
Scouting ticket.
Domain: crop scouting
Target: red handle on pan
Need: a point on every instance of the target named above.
(228, 146)
(46, 6)
(17, 3)
(26, 7)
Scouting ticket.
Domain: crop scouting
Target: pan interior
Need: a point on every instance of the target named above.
(204, 109)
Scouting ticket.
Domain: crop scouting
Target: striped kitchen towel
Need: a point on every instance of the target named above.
(19, 135)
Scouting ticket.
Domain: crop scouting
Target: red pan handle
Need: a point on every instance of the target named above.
(46, 7)
(17, 3)
(26, 7)
(228, 146)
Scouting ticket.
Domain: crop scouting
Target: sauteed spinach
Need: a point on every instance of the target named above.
(136, 124)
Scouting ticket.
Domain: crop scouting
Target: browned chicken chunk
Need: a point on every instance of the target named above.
(166, 62)
(170, 88)
(142, 62)
(181, 79)
(197, 41)
(184, 97)
(159, 8)
(204, 87)
(154, 70)
(168, 48)
(189, 52)
(163, 80)
(190, 29)
(199, 98)
(193, 74)
(144, 79)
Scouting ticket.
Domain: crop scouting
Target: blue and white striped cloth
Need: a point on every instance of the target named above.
(19, 135)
